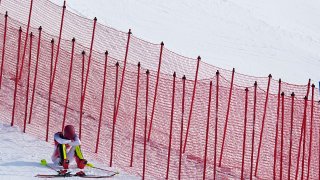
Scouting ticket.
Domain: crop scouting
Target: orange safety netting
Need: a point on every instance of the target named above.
(272, 111)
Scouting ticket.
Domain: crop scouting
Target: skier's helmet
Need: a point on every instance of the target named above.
(69, 132)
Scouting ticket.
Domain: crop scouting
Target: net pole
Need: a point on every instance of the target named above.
(102, 99)
(52, 75)
(16, 79)
(3, 46)
(191, 105)
(35, 74)
(282, 139)
(26, 39)
(135, 115)
(216, 127)
(181, 130)
(58, 46)
(253, 127)
(81, 90)
(68, 88)
(311, 130)
(319, 141)
(87, 73)
(291, 127)
(300, 141)
(49, 98)
(171, 122)
(28, 86)
(114, 112)
(244, 133)
(145, 128)
(277, 131)
(304, 136)
(262, 128)
(207, 133)
(123, 74)
(227, 118)
(308, 87)
(155, 90)
(302, 132)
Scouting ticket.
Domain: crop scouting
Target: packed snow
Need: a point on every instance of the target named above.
(255, 37)
(20, 156)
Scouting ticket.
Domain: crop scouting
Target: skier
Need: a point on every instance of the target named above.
(67, 148)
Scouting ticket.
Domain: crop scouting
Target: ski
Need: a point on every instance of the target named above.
(73, 175)
(52, 176)
(68, 174)
(98, 176)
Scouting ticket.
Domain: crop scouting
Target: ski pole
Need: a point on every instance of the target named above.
(91, 165)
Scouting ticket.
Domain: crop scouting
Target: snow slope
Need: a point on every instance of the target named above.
(20, 156)
(280, 37)
(255, 37)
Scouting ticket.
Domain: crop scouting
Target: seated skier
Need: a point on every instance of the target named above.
(67, 148)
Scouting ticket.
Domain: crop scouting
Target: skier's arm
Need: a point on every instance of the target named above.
(76, 142)
(61, 140)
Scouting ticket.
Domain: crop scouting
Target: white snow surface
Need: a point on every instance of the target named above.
(20, 156)
(256, 37)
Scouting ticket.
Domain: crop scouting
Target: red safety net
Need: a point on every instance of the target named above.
(286, 128)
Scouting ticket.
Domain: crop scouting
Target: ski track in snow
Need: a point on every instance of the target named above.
(20, 156)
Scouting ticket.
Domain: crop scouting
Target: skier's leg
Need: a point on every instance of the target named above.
(56, 161)
(70, 154)
(63, 156)
(78, 152)
(81, 162)
(55, 156)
